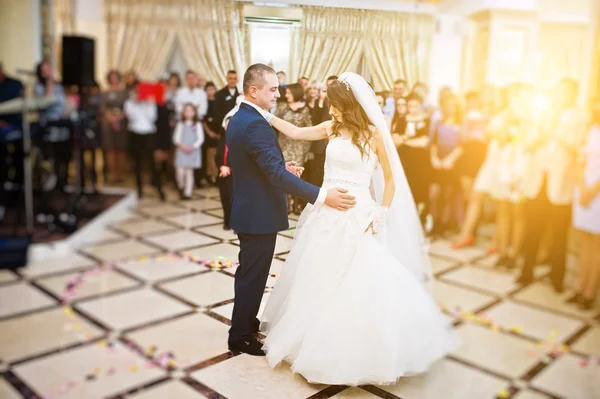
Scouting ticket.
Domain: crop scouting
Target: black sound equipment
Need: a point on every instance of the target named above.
(78, 61)
(13, 251)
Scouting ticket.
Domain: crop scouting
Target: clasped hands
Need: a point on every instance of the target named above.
(293, 169)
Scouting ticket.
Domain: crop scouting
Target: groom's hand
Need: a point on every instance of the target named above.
(339, 198)
(293, 169)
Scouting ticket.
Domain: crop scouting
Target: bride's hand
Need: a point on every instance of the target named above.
(370, 228)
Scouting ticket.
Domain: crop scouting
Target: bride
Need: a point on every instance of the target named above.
(351, 305)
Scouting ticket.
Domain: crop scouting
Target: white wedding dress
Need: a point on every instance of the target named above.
(344, 311)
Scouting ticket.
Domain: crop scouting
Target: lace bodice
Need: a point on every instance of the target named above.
(344, 163)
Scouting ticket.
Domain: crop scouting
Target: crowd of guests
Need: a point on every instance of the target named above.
(536, 161)
(537, 167)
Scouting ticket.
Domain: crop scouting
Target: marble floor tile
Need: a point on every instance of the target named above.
(55, 264)
(132, 308)
(566, 378)
(458, 298)
(290, 233)
(203, 290)
(216, 213)
(144, 227)
(218, 232)
(168, 389)
(529, 394)
(589, 342)
(542, 294)
(123, 250)
(283, 244)
(192, 339)
(224, 252)
(275, 383)
(194, 219)
(162, 210)
(40, 332)
(498, 352)
(201, 204)
(534, 322)
(47, 375)
(7, 276)
(96, 282)
(21, 297)
(444, 248)
(101, 236)
(439, 265)
(355, 393)
(227, 310)
(449, 380)
(161, 268)
(7, 391)
(180, 240)
(482, 279)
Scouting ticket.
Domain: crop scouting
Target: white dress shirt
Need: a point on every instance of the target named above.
(195, 96)
(141, 116)
(557, 158)
(322, 192)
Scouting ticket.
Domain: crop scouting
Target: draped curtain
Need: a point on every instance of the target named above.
(63, 17)
(398, 45)
(330, 41)
(213, 37)
(333, 40)
(142, 34)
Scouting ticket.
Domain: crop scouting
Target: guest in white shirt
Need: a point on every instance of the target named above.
(550, 181)
(141, 119)
(191, 94)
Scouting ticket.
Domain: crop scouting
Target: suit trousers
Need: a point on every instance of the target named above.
(225, 190)
(542, 215)
(256, 256)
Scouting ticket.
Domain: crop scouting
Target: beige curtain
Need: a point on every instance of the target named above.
(329, 42)
(213, 37)
(140, 35)
(397, 45)
(333, 40)
(63, 17)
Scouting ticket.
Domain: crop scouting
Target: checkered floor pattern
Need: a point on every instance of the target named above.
(142, 311)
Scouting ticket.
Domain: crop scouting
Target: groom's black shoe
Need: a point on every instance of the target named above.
(256, 325)
(251, 346)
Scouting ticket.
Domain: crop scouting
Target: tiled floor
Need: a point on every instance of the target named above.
(148, 319)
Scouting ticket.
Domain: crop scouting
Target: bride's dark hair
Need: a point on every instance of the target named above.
(354, 117)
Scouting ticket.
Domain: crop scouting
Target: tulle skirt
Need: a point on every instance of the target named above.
(345, 312)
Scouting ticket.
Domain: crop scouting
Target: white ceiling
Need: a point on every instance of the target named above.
(419, 6)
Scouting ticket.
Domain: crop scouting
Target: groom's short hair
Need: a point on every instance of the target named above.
(255, 76)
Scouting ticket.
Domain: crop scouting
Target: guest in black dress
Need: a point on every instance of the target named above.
(316, 96)
(225, 101)
(411, 136)
(212, 129)
(224, 181)
(165, 122)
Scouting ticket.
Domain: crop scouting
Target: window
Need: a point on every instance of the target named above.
(270, 44)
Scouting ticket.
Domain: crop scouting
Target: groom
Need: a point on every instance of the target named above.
(259, 208)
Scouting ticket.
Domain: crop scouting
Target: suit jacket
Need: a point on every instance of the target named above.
(260, 179)
(224, 102)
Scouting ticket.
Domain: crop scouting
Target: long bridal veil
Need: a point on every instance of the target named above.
(403, 234)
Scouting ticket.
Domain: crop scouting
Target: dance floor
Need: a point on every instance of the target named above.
(142, 309)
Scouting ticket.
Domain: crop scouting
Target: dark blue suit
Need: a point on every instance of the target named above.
(259, 208)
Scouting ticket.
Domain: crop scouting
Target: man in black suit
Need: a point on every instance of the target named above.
(225, 98)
